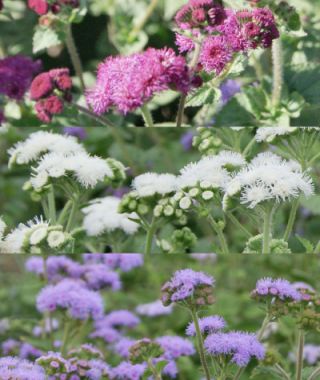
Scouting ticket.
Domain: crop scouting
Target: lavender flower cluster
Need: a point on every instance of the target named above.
(68, 302)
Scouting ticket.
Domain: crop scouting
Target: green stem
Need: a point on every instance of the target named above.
(152, 6)
(200, 344)
(317, 248)
(150, 233)
(52, 205)
(291, 220)
(64, 212)
(156, 375)
(183, 98)
(74, 55)
(222, 240)
(236, 222)
(267, 231)
(314, 374)
(314, 159)
(65, 338)
(147, 117)
(100, 119)
(277, 59)
(299, 364)
(282, 372)
(73, 211)
(260, 333)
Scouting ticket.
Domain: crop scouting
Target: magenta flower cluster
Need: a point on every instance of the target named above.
(224, 32)
(128, 82)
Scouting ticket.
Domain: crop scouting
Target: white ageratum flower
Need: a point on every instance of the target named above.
(149, 184)
(2, 228)
(18, 238)
(269, 177)
(85, 169)
(268, 134)
(42, 142)
(102, 216)
(210, 171)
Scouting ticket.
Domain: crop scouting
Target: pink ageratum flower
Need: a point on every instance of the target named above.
(215, 54)
(128, 82)
(16, 74)
(50, 89)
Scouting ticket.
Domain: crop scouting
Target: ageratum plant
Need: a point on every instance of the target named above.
(246, 191)
(173, 64)
(79, 333)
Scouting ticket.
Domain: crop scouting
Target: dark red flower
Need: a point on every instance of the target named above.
(42, 114)
(41, 7)
(53, 104)
(41, 86)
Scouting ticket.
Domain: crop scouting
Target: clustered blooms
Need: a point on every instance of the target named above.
(59, 156)
(279, 288)
(50, 89)
(208, 325)
(70, 295)
(16, 74)
(128, 82)
(225, 31)
(102, 216)
(240, 346)
(42, 7)
(14, 368)
(186, 284)
(269, 134)
(32, 236)
(268, 177)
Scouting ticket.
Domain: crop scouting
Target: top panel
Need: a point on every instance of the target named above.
(159, 63)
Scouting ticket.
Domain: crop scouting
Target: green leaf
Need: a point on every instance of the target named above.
(160, 365)
(265, 373)
(306, 244)
(204, 95)
(312, 204)
(44, 38)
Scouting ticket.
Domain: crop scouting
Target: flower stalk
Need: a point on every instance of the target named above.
(299, 363)
(277, 59)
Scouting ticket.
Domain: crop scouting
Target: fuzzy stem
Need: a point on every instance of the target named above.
(64, 212)
(52, 205)
(149, 239)
(277, 59)
(183, 98)
(267, 231)
(222, 240)
(147, 117)
(73, 211)
(299, 364)
(74, 55)
(152, 6)
(200, 344)
(156, 375)
(249, 147)
(236, 222)
(65, 337)
(292, 217)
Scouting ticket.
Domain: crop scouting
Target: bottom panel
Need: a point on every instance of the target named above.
(191, 317)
